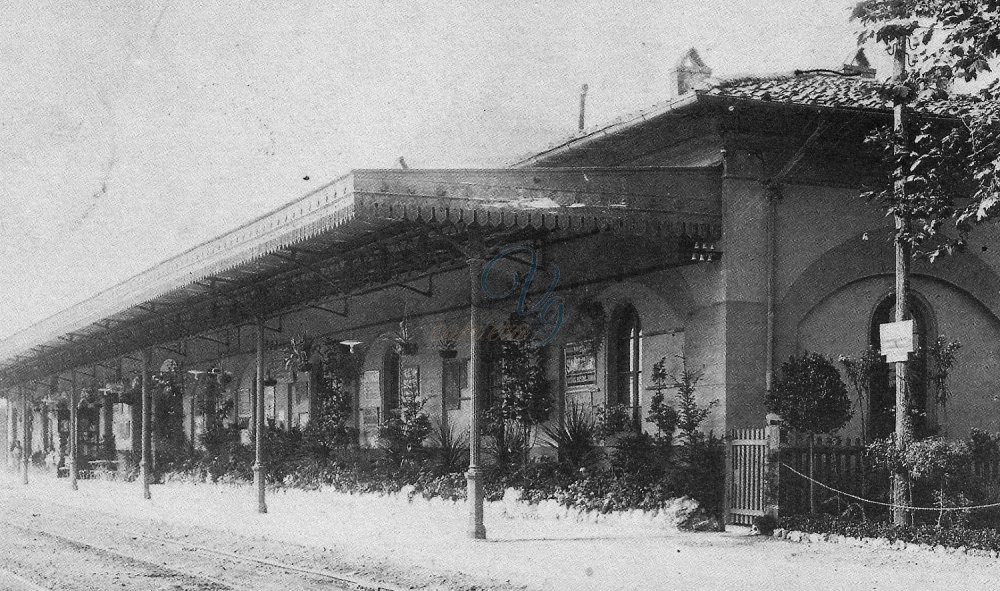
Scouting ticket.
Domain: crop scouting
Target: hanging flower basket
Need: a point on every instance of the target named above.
(406, 347)
(167, 383)
(405, 344)
(298, 354)
(446, 348)
(132, 392)
(89, 398)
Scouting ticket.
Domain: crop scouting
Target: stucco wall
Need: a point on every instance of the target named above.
(835, 264)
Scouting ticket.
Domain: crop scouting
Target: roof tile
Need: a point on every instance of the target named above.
(826, 90)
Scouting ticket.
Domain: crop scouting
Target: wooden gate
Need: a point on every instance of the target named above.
(747, 457)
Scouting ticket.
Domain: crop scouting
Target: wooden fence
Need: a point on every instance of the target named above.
(838, 463)
(841, 463)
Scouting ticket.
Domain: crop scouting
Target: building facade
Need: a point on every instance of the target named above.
(723, 229)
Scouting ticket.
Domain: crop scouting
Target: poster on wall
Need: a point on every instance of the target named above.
(580, 365)
(370, 385)
(409, 382)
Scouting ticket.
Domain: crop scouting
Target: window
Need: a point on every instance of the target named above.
(390, 382)
(492, 352)
(625, 356)
(883, 390)
(454, 378)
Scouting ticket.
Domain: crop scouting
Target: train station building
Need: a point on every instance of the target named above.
(723, 228)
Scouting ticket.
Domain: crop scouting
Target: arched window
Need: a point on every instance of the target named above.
(625, 356)
(390, 382)
(883, 391)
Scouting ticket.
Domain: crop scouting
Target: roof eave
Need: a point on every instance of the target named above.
(621, 125)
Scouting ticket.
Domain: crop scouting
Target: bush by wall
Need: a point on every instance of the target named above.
(932, 535)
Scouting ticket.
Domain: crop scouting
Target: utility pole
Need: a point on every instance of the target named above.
(904, 423)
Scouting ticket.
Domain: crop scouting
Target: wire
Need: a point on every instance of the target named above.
(827, 71)
(893, 505)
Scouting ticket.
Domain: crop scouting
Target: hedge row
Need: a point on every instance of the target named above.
(931, 535)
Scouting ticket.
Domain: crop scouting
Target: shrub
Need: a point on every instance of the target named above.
(451, 449)
(506, 444)
(765, 524)
(575, 439)
(524, 391)
(932, 535)
(402, 435)
(698, 471)
(331, 422)
(613, 419)
(636, 454)
(811, 398)
(662, 414)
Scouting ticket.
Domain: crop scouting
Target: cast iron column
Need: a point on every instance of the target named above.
(476, 381)
(258, 464)
(144, 462)
(73, 452)
(25, 450)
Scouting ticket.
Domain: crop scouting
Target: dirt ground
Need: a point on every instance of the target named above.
(422, 545)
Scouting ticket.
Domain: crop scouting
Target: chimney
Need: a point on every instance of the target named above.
(860, 66)
(583, 108)
(690, 73)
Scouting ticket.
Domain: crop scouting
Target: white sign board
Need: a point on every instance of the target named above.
(896, 340)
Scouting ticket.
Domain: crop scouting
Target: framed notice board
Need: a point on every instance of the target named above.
(580, 365)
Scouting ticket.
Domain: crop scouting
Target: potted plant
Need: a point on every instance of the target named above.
(131, 392)
(221, 376)
(298, 354)
(446, 348)
(89, 398)
(405, 344)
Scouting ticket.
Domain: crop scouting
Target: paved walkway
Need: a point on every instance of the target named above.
(536, 554)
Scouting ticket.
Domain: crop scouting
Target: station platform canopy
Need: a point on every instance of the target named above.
(365, 229)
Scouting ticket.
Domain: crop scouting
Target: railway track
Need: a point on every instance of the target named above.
(14, 582)
(187, 580)
(184, 575)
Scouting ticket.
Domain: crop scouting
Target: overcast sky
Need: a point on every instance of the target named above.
(129, 133)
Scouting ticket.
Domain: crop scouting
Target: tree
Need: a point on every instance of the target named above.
(524, 399)
(331, 420)
(811, 398)
(948, 171)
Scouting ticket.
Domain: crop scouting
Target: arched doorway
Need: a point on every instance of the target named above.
(883, 390)
(625, 356)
